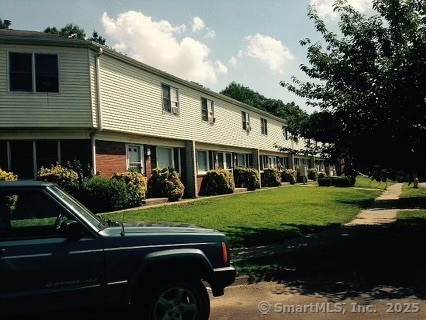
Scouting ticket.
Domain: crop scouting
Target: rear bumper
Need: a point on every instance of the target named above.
(223, 277)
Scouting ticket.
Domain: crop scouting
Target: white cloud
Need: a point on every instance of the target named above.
(155, 43)
(199, 25)
(325, 7)
(265, 49)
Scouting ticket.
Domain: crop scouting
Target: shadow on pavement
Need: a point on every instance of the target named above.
(368, 262)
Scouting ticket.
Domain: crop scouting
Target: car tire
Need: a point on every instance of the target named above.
(185, 299)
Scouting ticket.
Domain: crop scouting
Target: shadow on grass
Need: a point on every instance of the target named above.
(369, 262)
(247, 237)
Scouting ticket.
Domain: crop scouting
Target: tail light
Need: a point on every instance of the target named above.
(225, 255)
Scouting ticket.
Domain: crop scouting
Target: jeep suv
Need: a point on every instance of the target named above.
(54, 253)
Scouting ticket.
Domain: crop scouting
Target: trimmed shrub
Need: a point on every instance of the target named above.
(84, 172)
(271, 178)
(247, 178)
(7, 176)
(312, 174)
(288, 175)
(341, 181)
(136, 186)
(218, 182)
(101, 194)
(165, 183)
(322, 175)
(324, 182)
(66, 178)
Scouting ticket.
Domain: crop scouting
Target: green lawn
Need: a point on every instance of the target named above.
(366, 182)
(264, 216)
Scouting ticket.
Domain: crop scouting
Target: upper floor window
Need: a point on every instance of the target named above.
(30, 72)
(246, 121)
(170, 99)
(264, 126)
(207, 110)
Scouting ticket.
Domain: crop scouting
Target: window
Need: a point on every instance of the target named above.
(244, 160)
(170, 99)
(45, 69)
(26, 214)
(202, 161)
(224, 160)
(165, 158)
(246, 121)
(47, 153)
(207, 110)
(264, 126)
(135, 158)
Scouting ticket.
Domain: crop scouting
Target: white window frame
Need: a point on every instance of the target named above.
(264, 126)
(172, 156)
(33, 72)
(206, 164)
(226, 165)
(173, 99)
(245, 117)
(207, 114)
(142, 159)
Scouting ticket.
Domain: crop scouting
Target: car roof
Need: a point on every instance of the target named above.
(25, 183)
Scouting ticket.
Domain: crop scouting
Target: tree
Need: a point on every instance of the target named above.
(69, 31)
(370, 84)
(97, 38)
(4, 24)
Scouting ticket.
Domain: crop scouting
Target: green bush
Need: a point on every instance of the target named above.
(165, 183)
(271, 178)
(312, 174)
(66, 178)
(324, 182)
(288, 175)
(136, 186)
(343, 181)
(218, 182)
(7, 176)
(101, 194)
(322, 175)
(247, 178)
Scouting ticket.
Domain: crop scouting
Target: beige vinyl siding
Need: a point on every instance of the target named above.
(93, 88)
(132, 102)
(71, 107)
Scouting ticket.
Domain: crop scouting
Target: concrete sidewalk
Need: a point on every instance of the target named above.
(380, 212)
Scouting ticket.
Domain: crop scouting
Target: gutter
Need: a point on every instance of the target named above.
(98, 108)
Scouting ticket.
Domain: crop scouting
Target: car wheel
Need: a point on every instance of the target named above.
(178, 299)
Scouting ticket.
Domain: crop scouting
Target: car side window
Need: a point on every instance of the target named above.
(26, 214)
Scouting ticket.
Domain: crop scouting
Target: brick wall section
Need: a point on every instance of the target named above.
(200, 184)
(148, 166)
(110, 157)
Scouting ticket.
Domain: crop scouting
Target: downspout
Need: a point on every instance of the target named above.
(98, 109)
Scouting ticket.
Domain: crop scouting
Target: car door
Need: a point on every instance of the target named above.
(39, 269)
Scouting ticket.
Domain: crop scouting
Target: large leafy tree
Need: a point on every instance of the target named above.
(293, 114)
(370, 85)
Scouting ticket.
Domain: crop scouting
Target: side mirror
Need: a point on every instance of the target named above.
(70, 229)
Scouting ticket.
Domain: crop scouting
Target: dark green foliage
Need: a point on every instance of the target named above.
(271, 178)
(341, 181)
(165, 183)
(64, 177)
(97, 38)
(288, 175)
(218, 182)
(369, 82)
(101, 194)
(321, 175)
(247, 178)
(136, 186)
(69, 31)
(324, 182)
(312, 174)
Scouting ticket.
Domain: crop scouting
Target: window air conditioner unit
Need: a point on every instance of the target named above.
(175, 110)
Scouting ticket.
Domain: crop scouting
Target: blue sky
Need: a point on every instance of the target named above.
(254, 43)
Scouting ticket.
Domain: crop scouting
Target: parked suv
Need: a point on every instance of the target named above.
(54, 253)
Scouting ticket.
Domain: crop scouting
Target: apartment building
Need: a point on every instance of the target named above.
(64, 99)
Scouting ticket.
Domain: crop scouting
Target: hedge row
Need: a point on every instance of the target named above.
(341, 181)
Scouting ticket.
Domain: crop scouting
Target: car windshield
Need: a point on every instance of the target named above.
(95, 220)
